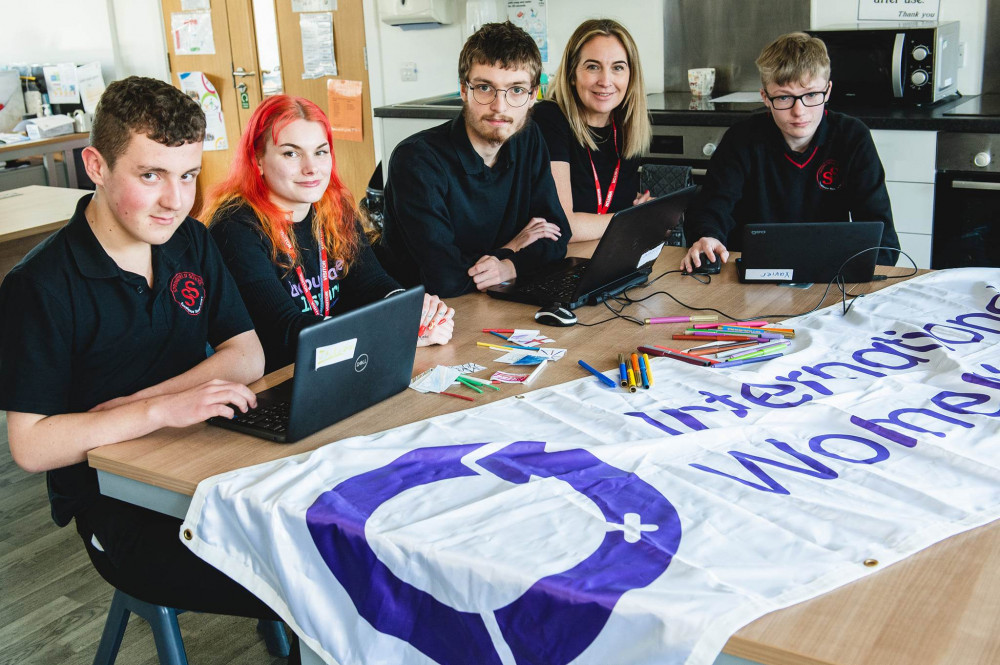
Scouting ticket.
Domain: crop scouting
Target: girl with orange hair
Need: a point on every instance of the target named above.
(289, 232)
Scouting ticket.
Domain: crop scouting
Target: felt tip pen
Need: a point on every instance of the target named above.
(753, 353)
(682, 319)
(747, 361)
(535, 372)
(634, 359)
(622, 374)
(683, 353)
(709, 335)
(684, 357)
(470, 385)
(508, 347)
(748, 324)
(642, 372)
(479, 382)
(605, 380)
(493, 332)
(468, 399)
(631, 380)
(509, 331)
(649, 369)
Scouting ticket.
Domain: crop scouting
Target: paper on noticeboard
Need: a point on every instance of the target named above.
(318, 59)
(344, 104)
(197, 86)
(60, 82)
(91, 85)
(189, 5)
(531, 16)
(299, 6)
(192, 32)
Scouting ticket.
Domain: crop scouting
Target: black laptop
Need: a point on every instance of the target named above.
(809, 252)
(342, 365)
(624, 258)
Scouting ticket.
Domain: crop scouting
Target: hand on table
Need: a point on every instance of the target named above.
(489, 271)
(437, 323)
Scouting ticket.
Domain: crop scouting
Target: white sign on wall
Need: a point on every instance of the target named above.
(899, 10)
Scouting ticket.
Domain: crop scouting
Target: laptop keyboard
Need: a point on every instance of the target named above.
(558, 288)
(273, 417)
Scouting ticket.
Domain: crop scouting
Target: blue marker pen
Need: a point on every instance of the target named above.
(600, 376)
(623, 373)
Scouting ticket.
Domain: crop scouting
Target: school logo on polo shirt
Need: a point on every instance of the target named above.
(828, 175)
(188, 290)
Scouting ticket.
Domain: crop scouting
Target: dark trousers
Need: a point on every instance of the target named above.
(144, 557)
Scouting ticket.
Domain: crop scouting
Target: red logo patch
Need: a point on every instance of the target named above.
(828, 175)
(188, 290)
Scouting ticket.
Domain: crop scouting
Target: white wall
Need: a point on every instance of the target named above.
(142, 46)
(435, 51)
(972, 31)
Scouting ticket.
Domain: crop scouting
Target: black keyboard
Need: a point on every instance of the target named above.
(272, 417)
(558, 288)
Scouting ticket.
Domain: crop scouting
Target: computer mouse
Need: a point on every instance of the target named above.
(554, 315)
(707, 267)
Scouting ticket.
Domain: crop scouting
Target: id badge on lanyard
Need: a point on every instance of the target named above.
(324, 276)
(603, 207)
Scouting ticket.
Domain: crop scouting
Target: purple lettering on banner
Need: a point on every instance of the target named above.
(985, 381)
(553, 621)
(820, 370)
(815, 468)
(781, 389)
(919, 348)
(739, 410)
(942, 401)
(963, 319)
(649, 420)
(974, 338)
(885, 432)
(686, 419)
(794, 377)
(881, 452)
(894, 419)
(879, 347)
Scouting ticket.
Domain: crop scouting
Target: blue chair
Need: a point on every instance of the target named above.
(166, 631)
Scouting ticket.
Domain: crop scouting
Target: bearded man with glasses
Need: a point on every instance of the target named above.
(799, 162)
(472, 203)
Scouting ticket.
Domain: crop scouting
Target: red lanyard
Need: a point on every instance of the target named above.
(602, 208)
(306, 291)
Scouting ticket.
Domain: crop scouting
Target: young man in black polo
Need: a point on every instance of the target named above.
(797, 163)
(472, 203)
(104, 340)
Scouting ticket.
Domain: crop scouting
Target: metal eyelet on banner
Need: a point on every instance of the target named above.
(518, 396)
(188, 535)
(871, 563)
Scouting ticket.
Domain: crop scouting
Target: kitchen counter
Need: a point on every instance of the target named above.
(979, 113)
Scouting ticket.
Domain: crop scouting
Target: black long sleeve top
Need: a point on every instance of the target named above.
(445, 209)
(755, 177)
(274, 297)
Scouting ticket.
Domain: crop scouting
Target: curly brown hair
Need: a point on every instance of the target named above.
(502, 44)
(145, 106)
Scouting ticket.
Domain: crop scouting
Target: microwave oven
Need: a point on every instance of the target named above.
(909, 62)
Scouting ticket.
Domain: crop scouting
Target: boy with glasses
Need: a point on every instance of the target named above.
(472, 203)
(797, 163)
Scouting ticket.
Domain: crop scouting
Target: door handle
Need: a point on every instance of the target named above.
(973, 184)
(239, 72)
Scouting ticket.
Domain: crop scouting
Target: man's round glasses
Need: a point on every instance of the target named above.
(785, 102)
(484, 93)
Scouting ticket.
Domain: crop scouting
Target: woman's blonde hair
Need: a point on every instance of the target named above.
(631, 116)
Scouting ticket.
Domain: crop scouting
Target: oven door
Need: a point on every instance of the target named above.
(966, 220)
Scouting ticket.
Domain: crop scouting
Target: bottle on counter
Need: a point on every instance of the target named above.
(32, 97)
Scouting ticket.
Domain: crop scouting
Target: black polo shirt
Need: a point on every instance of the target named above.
(755, 177)
(563, 147)
(445, 209)
(78, 330)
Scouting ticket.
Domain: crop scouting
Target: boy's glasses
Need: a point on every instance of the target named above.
(785, 102)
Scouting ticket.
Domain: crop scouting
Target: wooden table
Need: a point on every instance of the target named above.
(939, 606)
(28, 215)
(48, 148)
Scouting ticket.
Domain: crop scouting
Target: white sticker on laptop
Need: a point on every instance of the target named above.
(650, 256)
(769, 273)
(335, 353)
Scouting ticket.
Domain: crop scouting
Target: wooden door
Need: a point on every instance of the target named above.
(355, 160)
(235, 47)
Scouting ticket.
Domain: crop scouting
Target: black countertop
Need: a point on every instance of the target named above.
(979, 113)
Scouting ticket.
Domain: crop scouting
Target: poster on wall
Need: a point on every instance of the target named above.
(191, 5)
(197, 86)
(344, 108)
(531, 16)
(60, 82)
(318, 59)
(299, 6)
(192, 33)
(91, 83)
(907, 10)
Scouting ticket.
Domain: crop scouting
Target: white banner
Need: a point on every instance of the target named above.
(586, 525)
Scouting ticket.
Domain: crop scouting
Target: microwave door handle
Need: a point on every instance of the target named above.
(897, 65)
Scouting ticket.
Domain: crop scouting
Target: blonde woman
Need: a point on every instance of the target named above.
(596, 126)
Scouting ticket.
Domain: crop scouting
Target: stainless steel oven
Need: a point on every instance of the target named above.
(967, 201)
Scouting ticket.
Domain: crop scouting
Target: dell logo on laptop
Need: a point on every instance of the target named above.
(361, 363)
